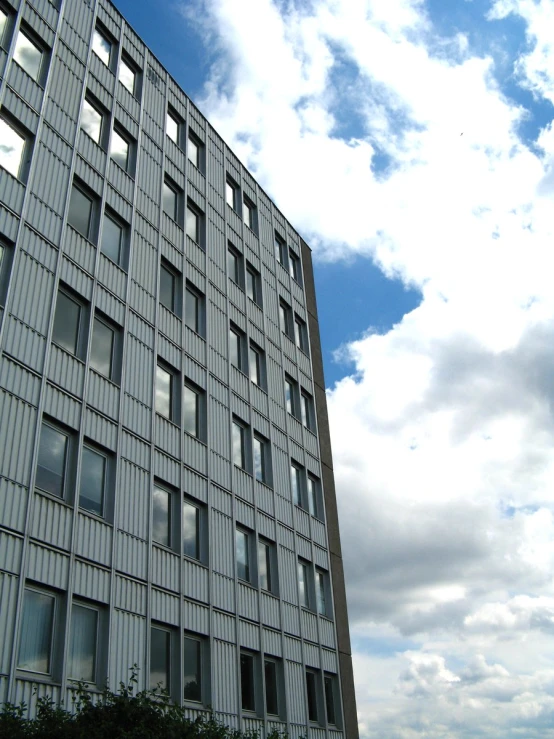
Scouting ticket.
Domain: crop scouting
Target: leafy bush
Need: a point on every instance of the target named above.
(148, 714)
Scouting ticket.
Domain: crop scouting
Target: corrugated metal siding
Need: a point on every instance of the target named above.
(294, 674)
(127, 647)
(224, 679)
(91, 582)
(8, 599)
(13, 504)
(51, 521)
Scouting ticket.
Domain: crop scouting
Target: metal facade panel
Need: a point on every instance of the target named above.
(16, 438)
(223, 592)
(222, 532)
(66, 371)
(165, 569)
(94, 540)
(195, 581)
(273, 642)
(13, 504)
(224, 677)
(130, 595)
(196, 617)
(18, 381)
(131, 555)
(47, 566)
(247, 602)
(8, 599)
(270, 610)
(51, 521)
(91, 582)
(127, 647)
(133, 499)
(296, 688)
(224, 627)
(165, 607)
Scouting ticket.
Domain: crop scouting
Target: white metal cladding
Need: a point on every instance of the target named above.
(114, 561)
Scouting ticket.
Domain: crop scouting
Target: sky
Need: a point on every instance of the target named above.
(411, 143)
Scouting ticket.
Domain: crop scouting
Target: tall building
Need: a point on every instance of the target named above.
(166, 489)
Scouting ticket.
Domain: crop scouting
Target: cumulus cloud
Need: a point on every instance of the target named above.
(379, 137)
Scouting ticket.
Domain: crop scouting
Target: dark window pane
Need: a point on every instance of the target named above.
(264, 565)
(159, 658)
(312, 496)
(51, 460)
(247, 682)
(251, 285)
(259, 460)
(35, 647)
(191, 409)
(93, 477)
(82, 651)
(271, 702)
(66, 323)
(330, 700)
(192, 224)
(170, 201)
(191, 539)
(192, 675)
(312, 696)
(112, 237)
(303, 585)
(243, 564)
(161, 517)
(101, 349)
(167, 289)
(192, 311)
(296, 485)
(80, 212)
(235, 348)
(320, 582)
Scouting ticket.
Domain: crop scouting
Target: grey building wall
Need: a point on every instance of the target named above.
(112, 564)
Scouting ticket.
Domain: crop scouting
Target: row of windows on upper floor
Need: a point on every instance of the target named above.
(181, 666)
(179, 523)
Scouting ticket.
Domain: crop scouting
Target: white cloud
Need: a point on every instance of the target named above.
(443, 434)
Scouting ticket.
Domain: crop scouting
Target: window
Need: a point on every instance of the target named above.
(313, 496)
(92, 121)
(192, 669)
(285, 318)
(37, 632)
(166, 399)
(29, 55)
(262, 463)
(102, 46)
(113, 239)
(160, 658)
(194, 151)
(307, 410)
(103, 349)
(238, 444)
(304, 583)
(253, 284)
(297, 478)
(291, 396)
(193, 224)
(173, 126)
(321, 591)
(161, 517)
(191, 529)
(83, 646)
(68, 321)
(311, 690)
(5, 264)
(234, 265)
(121, 150)
(267, 563)
(256, 365)
(194, 309)
(170, 288)
(247, 691)
(128, 75)
(171, 199)
(237, 342)
(4, 23)
(81, 212)
(231, 193)
(52, 463)
(193, 412)
(242, 541)
(295, 267)
(271, 687)
(280, 250)
(13, 150)
(329, 683)
(94, 472)
(300, 334)
(249, 213)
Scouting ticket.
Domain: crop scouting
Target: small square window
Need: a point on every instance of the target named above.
(193, 660)
(53, 460)
(68, 331)
(249, 213)
(14, 149)
(295, 267)
(128, 76)
(94, 480)
(82, 211)
(234, 265)
(194, 309)
(113, 240)
(36, 641)
(192, 515)
(170, 288)
(160, 658)
(232, 191)
(247, 682)
(166, 393)
(253, 284)
(29, 55)
(262, 459)
(257, 365)
(83, 646)
(102, 46)
(194, 402)
(161, 517)
(195, 149)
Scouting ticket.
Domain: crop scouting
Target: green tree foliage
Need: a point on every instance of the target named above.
(148, 714)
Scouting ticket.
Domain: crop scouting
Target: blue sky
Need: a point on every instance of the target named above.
(411, 143)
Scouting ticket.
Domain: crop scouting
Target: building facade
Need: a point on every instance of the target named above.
(166, 484)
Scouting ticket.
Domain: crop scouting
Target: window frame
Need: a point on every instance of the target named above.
(313, 496)
(301, 334)
(239, 432)
(106, 36)
(104, 115)
(82, 323)
(26, 148)
(107, 485)
(237, 266)
(264, 445)
(201, 531)
(203, 668)
(174, 394)
(298, 471)
(232, 193)
(249, 213)
(315, 717)
(248, 569)
(133, 67)
(250, 658)
(292, 397)
(295, 267)
(124, 237)
(170, 526)
(330, 680)
(256, 360)
(322, 592)
(278, 684)
(286, 319)
(200, 327)
(173, 187)
(99, 656)
(194, 214)
(68, 460)
(306, 593)
(270, 566)
(156, 626)
(172, 114)
(6, 258)
(92, 228)
(198, 161)
(39, 45)
(281, 251)
(237, 335)
(124, 135)
(253, 278)
(177, 278)
(54, 637)
(307, 412)
(200, 410)
(7, 27)
(115, 358)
